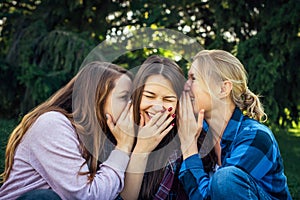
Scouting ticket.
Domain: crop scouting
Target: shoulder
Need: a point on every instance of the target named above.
(52, 117)
(53, 120)
(254, 127)
(51, 124)
(256, 134)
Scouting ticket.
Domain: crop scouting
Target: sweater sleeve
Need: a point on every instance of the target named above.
(55, 155)
(193, 178)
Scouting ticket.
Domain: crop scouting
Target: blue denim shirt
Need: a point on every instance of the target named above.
(248, 145)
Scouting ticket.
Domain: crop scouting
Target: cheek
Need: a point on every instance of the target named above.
(173, 105)
(194, 89)
(117, 108)
(144, 104)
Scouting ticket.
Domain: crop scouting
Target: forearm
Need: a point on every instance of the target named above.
(134, 176)
(193, 178)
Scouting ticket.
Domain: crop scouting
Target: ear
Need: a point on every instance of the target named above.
(226, 88)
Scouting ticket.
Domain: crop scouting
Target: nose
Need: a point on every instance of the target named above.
(187, 85)
(158, 107)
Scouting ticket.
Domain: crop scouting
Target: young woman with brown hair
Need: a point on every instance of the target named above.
(154, 165)
(62, 144)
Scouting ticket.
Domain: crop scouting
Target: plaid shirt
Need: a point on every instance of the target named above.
(170, 187)
(248, 145)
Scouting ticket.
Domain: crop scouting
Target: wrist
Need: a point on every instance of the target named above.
(125, 148)
(138, 162)
(189, 150)
(142, 149)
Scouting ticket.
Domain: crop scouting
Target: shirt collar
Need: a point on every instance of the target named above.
(233, 125)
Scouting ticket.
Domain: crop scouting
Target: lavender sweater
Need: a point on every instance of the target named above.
(49, 157)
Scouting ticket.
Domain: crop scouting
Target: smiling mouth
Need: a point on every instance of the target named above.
(191, 97)
(150, 115)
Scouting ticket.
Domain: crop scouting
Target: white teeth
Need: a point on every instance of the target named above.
(150, 115)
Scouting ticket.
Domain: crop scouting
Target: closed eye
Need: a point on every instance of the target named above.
(149, 94)
(150, 97)
(171, 100)
(192, 77)
(125, 97)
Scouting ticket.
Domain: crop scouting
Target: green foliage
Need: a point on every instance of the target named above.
(40, 72)
(44, 42)
(272, 59)
(10, 90)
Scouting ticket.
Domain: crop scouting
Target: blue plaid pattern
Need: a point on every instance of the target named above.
(248, 145)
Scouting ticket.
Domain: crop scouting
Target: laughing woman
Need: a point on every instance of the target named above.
(54, 152)
(155, 161)
(250, 164)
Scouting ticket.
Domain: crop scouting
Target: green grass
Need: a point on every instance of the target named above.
(6, 127)
(289, 143)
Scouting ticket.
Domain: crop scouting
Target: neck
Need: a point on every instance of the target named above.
(219, 119)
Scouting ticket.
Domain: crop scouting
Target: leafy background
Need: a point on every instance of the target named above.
(43, 43)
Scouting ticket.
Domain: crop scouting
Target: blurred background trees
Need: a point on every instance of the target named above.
(43, 43)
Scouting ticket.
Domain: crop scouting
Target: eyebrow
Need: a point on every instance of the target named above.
(167, 97)
(149, 92)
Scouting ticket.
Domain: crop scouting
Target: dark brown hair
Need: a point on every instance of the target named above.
(156, 65)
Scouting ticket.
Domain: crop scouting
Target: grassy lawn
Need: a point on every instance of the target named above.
(289, 143)
(6, 126)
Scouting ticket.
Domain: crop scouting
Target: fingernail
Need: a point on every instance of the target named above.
(106, 115)
(173, 124)
(169, 109)
(174, 115)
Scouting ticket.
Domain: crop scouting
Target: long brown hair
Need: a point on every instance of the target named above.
(156, 65)
(89, 121)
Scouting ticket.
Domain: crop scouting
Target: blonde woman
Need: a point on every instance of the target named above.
(249, 163)
(57, 147)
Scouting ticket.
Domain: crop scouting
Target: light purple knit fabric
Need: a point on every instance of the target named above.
(49, 157)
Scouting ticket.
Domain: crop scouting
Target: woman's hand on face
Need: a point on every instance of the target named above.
(152, 133)
(123, 130)
(188, 128)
